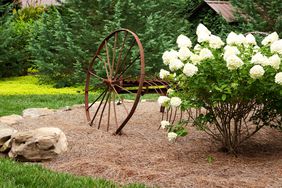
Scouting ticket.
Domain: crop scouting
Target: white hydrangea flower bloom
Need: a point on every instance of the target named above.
(166, 57)
(276, 47)
(234, 62)
(195, 59)
(184, 53)
(250, 39)
(175, 101)
(274, 61)
(202, 29)
(260, 59)
(241, 39)
(169, 56)
(171, 136)
(278, 78)
(205, 54)
(164, 73)
(215, 42)
(232, 38)
(233, 49)
(164, 124)
(203, 37)
(270, 39)
(203, 33)
(256, 71)
(175, 65)
(190, 69)
(230, 50)
(256, 49)
(163, 100)
(183, 41)
(197, 47)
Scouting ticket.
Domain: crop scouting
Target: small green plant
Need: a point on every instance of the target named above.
(210, 159)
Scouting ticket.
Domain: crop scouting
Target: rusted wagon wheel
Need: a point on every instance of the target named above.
(118, 70)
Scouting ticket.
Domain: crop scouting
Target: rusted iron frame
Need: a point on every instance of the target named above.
(120, 82)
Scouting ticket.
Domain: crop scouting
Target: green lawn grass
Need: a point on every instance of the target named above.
(15, 104)
(18, 175)
(19, 93)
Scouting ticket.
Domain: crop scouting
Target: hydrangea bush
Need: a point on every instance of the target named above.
(229, 88)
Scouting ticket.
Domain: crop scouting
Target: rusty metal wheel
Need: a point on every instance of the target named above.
(118, 70)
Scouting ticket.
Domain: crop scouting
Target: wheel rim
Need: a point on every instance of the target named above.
(118, 69)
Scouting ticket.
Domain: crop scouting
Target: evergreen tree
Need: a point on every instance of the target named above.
(77, 28)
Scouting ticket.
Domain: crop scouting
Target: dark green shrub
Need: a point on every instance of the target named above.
(15, 32)
(57, 56)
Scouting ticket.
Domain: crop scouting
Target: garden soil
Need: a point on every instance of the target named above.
(144, 155)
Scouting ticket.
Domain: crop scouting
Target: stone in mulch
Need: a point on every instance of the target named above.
(5, 133)
(40, 144)
(11, 119)
(37, 112)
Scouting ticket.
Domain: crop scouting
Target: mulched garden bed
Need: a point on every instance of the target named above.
(144, 155)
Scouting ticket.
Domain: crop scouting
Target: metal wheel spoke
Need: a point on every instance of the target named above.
(127, 67)
(114, 51)
(96, 99)
(115, 113)
(120, 51)
(125, 57)
(99, 85)
(131, 46)
(109, 112)
(101, 115)
(98, 109)
(108, 58)
(105, 65)
(120, 100)
(90, 72)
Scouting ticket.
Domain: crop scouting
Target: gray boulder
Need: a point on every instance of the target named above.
(11, 119)
(40, 144)
(37, 112)
(5, 133)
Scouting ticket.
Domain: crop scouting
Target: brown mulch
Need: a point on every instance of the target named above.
(143, 154)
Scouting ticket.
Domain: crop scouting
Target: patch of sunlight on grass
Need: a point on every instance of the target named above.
(29, 85)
